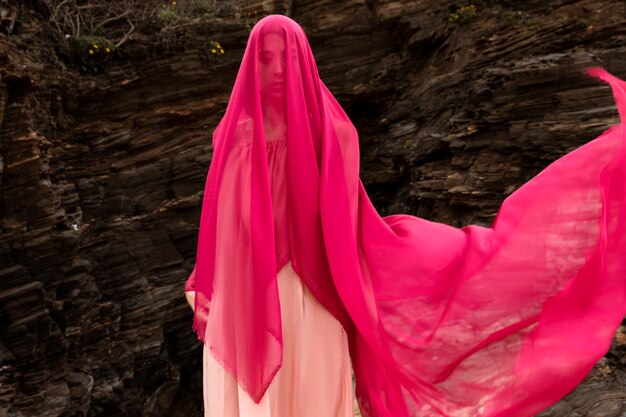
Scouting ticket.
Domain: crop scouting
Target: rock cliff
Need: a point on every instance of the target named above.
(102, 174)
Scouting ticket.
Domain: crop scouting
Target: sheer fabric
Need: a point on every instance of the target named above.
(314, 379)
(441, 321)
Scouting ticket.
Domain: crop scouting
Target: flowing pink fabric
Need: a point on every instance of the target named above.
(441, 321)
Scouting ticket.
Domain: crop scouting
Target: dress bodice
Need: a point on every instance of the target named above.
(276, 152)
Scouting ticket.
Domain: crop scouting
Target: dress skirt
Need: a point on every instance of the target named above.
(315, 379)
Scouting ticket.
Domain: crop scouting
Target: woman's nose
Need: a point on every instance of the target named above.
(280, 67)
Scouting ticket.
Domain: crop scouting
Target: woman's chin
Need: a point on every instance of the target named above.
(274, 95)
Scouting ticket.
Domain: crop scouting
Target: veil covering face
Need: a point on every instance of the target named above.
(237, 305)
(441, 321)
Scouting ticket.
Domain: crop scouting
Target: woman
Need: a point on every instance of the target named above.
(315, 377)
(438, 321)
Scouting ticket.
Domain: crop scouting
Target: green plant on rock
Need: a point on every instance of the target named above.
(203, 9)
(509, 16)
(519, 17)
(75, 24)
(169, 14)
(215, 50)
(91, 54)
(175, 12)
(463, 14)
(533, 21)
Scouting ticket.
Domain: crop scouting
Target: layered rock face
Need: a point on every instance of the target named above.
(102, 176)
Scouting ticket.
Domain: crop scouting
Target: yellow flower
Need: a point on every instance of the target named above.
(221, 51)
(95, 46)
(174, 3)
(107, 49)
(213, 51)
(91, 52)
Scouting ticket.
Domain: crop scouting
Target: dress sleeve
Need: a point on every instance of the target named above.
(190, 285)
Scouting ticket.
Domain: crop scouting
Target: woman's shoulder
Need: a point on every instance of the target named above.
(244, 129)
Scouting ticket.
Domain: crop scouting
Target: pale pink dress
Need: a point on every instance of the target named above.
(315, 379)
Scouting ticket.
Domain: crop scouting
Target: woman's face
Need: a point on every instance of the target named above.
(272, 65)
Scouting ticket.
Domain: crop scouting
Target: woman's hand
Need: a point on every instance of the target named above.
(191, 297)
(202, 315)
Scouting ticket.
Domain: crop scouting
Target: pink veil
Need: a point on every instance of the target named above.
(442, 321)
(237, 305)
